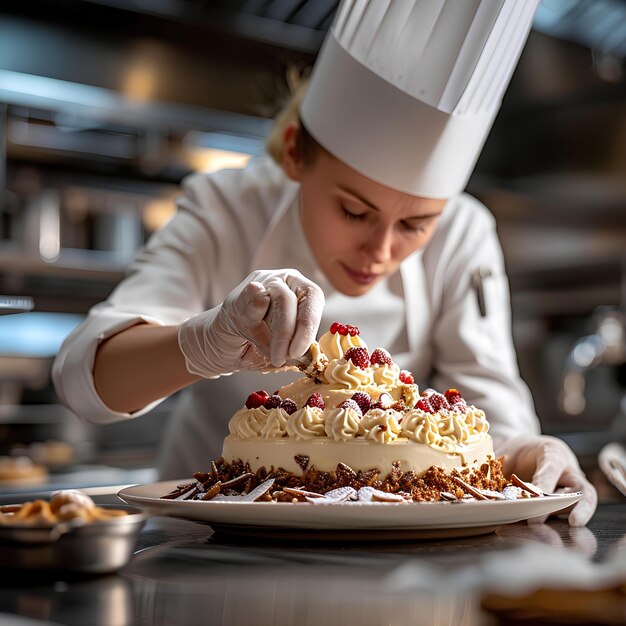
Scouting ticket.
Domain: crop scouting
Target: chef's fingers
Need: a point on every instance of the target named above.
(573, 480)
(584, 509)
(310, 304)
(570, 480)
(549, 468)
(280, 318)
(253, 305)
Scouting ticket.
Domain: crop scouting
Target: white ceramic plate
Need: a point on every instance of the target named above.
(459, 517)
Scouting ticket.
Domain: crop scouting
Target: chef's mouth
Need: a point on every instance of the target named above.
(363, 278)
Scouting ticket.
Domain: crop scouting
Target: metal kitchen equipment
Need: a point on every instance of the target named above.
(11, 304)
(93, 548)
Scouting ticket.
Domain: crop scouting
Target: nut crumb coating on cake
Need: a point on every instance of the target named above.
(233, 480)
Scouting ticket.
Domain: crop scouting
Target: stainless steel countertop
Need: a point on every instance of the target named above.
(183, 573)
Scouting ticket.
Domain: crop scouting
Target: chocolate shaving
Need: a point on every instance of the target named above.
(212, 492)
(224, 498)
(492, 495)
(446, 495)
(233, 482)
(345, 472)
(533, 490)
(369, 494)
(179, 491)
(341, 494)
(302, 461)
(258, 492)
(335, 496)
(469, 489)
(302, 493)
(214, 471)
(369, 477)
(283, 496)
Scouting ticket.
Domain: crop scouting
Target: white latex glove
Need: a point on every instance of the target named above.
(270, 317)
(612, 461)
(548, 463)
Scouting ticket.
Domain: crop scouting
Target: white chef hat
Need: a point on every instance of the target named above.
(405, 91)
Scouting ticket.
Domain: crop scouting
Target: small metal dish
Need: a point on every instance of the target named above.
(99, 547)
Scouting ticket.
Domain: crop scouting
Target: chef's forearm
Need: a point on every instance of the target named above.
(140, 365)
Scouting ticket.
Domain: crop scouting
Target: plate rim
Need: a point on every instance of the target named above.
(171, 508)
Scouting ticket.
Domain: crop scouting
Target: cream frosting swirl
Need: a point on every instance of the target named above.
(347, 374)
(420, 427)
(382, 425)
(306, 423)
(386, 375)
(446, 429)
(476, 419)
(275, 425)
(343, 423)
(247, 423)
(335, 345)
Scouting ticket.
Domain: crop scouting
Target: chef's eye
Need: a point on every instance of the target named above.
(352, 216)
(412, 227)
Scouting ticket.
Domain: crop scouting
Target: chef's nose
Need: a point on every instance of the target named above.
(379, 244)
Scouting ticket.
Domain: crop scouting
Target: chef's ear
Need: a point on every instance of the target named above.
(291, 160)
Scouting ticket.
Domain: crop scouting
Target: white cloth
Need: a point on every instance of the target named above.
(232, 222)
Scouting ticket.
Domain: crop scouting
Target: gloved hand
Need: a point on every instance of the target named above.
(269, 317)
(548, 463)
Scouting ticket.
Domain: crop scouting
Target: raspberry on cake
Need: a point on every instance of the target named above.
(361, 422)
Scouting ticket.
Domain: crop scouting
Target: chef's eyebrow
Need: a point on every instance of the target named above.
(356, 196)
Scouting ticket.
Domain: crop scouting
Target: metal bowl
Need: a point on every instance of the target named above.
(94, 547)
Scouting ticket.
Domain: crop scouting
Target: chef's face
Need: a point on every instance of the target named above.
(358, 230)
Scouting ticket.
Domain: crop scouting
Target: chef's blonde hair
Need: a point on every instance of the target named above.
(306, 146)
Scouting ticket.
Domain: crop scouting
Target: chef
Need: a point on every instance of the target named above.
(361, 219)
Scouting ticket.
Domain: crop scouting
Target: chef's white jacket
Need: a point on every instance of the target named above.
(235, 221)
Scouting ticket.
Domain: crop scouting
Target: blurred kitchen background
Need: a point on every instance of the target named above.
(105, 105)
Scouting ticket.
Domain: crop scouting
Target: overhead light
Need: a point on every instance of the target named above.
(210, 152)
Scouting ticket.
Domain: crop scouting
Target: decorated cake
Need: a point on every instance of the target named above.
(355, 426)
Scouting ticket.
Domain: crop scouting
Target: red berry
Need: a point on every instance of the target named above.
(334, 327)
(453, 395)
(381, 356)
(364, 400)
(406, 377)
(289, 406)
(256, 399)
(273, 402)
(358, 356)
(424, 405)
(343, 330)
(438, 401)
(353, 331)
(351, 404)
(461, 407)
(315, 400)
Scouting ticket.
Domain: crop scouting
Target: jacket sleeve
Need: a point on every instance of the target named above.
(186, 267)
(475, 353)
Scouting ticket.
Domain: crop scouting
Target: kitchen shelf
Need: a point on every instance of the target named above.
(80, 264)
